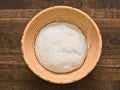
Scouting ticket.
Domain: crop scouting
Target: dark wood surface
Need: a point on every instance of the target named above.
(14, 73)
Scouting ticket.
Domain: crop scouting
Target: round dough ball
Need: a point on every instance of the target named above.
(61, 47)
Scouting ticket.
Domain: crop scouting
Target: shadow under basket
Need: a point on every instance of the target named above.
(62, 14)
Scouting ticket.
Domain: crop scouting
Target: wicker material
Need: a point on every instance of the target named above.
(64, 14)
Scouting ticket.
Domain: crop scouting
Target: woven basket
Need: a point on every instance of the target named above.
(62, 14)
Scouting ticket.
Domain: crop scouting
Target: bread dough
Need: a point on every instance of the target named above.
(61, 47)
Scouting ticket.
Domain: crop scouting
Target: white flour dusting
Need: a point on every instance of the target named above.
(61, 47)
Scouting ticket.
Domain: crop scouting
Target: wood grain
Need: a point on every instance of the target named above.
(29, 13)
(80, 85)
(18, 85)
(14, 73)
(104, 3)
(36, 4)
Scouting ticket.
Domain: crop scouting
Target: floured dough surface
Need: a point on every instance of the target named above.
(61, 47)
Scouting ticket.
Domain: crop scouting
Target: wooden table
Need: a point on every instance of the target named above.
(14, 73)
